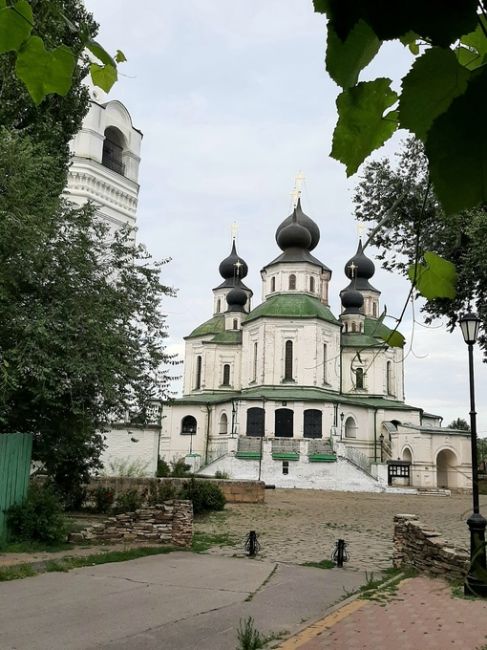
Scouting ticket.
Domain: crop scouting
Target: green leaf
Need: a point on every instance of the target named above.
(434, 80)
(44, 72)
(15, 25)
(468, 58)
(362, 126)
(120, 57)
(477, 39)
(394, 339)
(436, 278)
(345, 59)
(100, 53)
(456, 148)
(103, 76)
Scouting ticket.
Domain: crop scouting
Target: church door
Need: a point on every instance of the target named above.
(284, 423)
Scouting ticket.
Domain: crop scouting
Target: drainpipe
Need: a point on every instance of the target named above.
(375, 435)
(208, 411)
(159, 432)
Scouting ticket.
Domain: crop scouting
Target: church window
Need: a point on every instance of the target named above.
(312, 284)
(113, 145)
(188, 425)
(374, 309)
(350, 428)
(218, 306)
(254, 374)
(359, 378)
(292, 281)
(354, 327)
(325, 360)
(284, 425)
(235, 324)
(197, 383)
(273, 284)
(226, 374)
(223, 424)
(288, 360)
(312, 423)
(389, 378)
(255, 422)
(346, 328)
(285, 467)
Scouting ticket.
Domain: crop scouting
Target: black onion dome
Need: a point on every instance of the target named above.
(303, 220)
(236, 299)
(352, 300)
(293, 235)
(227, 267)
(359, 266)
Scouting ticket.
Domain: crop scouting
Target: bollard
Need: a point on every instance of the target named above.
(252, 545)
(340, 555)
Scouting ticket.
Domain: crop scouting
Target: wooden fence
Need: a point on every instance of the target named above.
(15, 456)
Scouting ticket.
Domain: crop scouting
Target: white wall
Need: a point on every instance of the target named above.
(131, 446)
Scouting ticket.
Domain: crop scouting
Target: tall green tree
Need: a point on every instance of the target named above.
(81, 329)
(416, 223)
(459, 423)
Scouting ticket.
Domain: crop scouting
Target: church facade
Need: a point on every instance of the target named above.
(297, 396)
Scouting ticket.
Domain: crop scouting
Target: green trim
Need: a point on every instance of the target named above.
(292, 305)
(248, 455)
(322, 458)
(289, 455)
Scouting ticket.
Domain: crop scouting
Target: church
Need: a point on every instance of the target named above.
(289, 393)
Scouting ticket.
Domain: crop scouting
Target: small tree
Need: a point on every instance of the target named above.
(459, 423)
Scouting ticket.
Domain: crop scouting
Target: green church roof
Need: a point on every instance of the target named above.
(374, 334)
(215, 325)
(292, 305)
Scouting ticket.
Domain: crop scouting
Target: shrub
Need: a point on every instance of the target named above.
(128, 501)
(204, 495)
(220, 474)
(104, 498)
(249, 638)
(161, 492)
(179, 468)
(39, 518)
(127, 468)
(163, 468)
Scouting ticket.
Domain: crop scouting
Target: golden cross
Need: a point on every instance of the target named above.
(360, 229)
(234, 230)
(352, 268)
(298, 186)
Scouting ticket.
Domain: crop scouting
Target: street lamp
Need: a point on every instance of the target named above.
(234, 417)
(342, 415)
(475, 583)
(381, 440)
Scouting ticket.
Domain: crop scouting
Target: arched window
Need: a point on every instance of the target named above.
(255, 422)
(346, 328)
(389, 378)
(235, 324)
(350, 428)
(288, 360)
(284, 426)
(188, 425)
(223, 424)
(374, 309)
(292, 281)
(312, 284)
(226, 375)
(312, 423)
(113, 145)
(354, 328)
(359, 378)
(254, 374)
(218, 306)
(273, 284)
(197, 383)
(325, 360)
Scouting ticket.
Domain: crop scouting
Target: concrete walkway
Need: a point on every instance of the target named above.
(421, 615)
(179, 601)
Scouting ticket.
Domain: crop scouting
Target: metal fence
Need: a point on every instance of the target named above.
(357, 457)
(319, 447)
(249, 444)
(15, 457)
(285, 446)
(216, 449)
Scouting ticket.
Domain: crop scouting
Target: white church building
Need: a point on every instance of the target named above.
(291, 394)
(285, 391)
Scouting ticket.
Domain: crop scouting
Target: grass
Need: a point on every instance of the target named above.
(204, 541)
(16, 572)
(33, 547)
(324, 564)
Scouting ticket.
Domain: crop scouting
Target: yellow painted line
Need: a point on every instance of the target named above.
(324, 624)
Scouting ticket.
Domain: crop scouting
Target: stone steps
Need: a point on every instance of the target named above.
(434, 492)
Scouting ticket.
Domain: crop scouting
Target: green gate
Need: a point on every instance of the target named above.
(15, 456)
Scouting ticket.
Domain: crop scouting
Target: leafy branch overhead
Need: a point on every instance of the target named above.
(442, 99)
(50, 71)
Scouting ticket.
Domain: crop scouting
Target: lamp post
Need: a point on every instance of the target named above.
(475, 582)
(234, 417)
(381, 440)
(342, 415)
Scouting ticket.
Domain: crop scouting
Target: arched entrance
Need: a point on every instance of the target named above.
(446, 469)
(407, 455)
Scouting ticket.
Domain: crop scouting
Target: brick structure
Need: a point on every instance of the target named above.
(417, 545)
(170, 522)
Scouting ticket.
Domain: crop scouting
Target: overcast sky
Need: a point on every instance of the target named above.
(233, 100)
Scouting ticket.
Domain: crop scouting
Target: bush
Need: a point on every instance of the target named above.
(104, 498)
(163, 468)
(220, 474)
(39, 518)
(179, 468)
(128, 501)
(204, 495)
(162, 492)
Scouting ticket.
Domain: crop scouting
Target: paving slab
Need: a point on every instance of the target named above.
(178, 601)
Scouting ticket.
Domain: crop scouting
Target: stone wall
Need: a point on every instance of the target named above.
(170, 522)
(417, 545)
(234, 491)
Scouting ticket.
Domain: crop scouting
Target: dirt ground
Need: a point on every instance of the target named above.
(300, 526)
